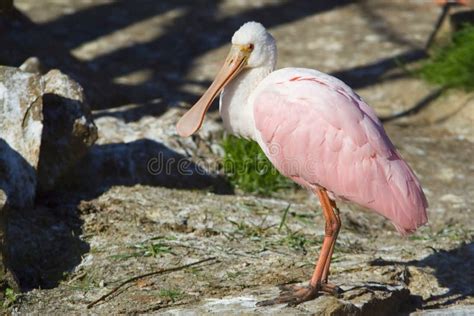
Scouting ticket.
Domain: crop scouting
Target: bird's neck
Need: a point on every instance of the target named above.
(235, 106)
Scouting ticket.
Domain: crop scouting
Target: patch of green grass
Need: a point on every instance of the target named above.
(283, 218)
(85, 283)
(10, 297)
(452, 66)
(145, 249)
(295, 240)
(248, 169)
(252, 231)
(152, 249)
(171, 294)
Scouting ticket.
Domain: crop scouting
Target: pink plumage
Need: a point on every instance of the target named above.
(320, 133)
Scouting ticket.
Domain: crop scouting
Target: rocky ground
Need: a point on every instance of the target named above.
(140, 63)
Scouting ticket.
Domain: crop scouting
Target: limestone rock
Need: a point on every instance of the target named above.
(21, 127)
(68, 128)
(45, 128)
(3, 199)
(33, 65)
(367, 299)
(450, 311)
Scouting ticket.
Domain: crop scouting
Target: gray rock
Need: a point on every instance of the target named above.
(33, 65)
(451, 311)
(69, 130)
(45, 128)
(3, 199)
(363, 300)
(21, 106)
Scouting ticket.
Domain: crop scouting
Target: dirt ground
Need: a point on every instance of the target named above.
(140, 63)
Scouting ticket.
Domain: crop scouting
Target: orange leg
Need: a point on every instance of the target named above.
(333, 224)
(294, 295)
(328, 262)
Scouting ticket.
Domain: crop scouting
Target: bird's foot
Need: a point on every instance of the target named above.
(297, 294)
(293, 295)
(331, 289)
(325, 287)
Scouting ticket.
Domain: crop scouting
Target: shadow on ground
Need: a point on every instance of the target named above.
(453, 270)
(42, 243)
(144, 162)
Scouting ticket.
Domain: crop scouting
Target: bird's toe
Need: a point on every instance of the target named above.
(292, 295)
(331, 289)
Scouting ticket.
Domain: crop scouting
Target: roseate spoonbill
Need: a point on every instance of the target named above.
(316, 131)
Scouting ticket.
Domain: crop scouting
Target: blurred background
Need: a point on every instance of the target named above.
(101, 196)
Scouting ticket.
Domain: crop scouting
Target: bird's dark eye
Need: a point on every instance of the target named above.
(250, 46)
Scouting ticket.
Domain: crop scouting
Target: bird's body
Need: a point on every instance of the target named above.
(320, 133)
(317, 131)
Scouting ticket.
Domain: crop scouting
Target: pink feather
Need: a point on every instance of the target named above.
(320, 133)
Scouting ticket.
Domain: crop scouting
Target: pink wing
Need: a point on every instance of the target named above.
(319, 132)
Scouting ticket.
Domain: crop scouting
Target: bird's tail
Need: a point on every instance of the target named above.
(411, 200)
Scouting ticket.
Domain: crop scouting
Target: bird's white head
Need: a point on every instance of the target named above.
(252, 47)
(254, 34)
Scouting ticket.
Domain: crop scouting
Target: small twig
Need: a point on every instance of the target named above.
(141, 276)
(155, 307)
(283, 219)
(77, 277)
